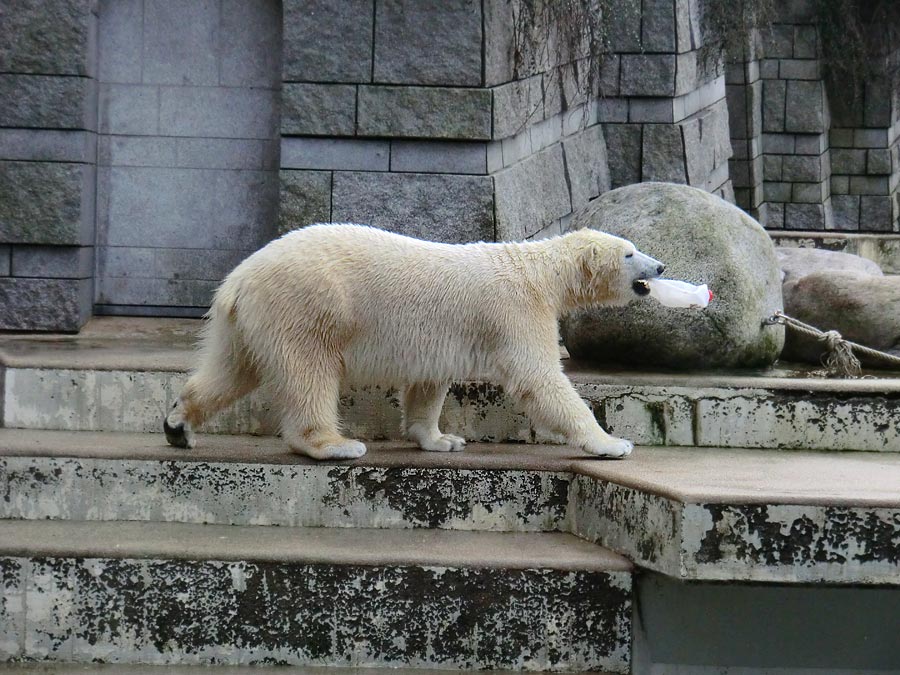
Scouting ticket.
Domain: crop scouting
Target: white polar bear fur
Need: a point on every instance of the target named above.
(330, 305)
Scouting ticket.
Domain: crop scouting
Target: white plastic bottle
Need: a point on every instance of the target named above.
(673, 293)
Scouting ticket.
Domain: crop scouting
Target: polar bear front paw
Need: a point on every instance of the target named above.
(346, 450)
(608, 447)
(178, 430)
(435, 441)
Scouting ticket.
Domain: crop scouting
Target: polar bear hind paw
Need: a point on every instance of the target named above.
(611, 447)
(178, 430)
(347, 449)
(444, 443)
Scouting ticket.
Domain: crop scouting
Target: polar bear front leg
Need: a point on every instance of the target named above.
(551, 401)
(422, 404)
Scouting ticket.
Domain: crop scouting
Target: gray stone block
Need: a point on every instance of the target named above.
(218, 112)
(116, 263)
(805, 168)
(774, 216)
(613, 109)
(46, 36)
(805, 107)
(687, 76)
(778, 144)
(318, 109)
(53, 262)
(250, 34)
(5, 260)
(155, 292)
(848, 161)
(879, 161)
(651, 110)
(437, 207)
(625, 26)
(241, 205)
(768, 69)
(623, 145)
(876, 214)
(224, 153)
(799, 69)
(138, 151)
(428, 42)
(772, 167)
(346, 154)
(439, 157)
(797, 11)
(499, 46)
(846, 212)
(48, 145)
(663, 156)
(552, 87)
(809, 193)
(877, 106)
(46, 203)
(869, 185)
(811, 144)
(805, 42)
(840, 138)
(429, 112)
(120, 40)
(870, 138)
(683, 40)
(531, 194)
(127, 109)
(44, 304)
(516, 148)
(180, 42)
(326, 41)
(587, 166)
(840, 185)
(648, 75)
(804, 216)
(777, 191)
(47, 101)
(778, 41)
(304, 199)
(774, 96)
(658, 26)
(517, 105)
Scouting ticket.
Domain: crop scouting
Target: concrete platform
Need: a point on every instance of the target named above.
(126, 592)
(692, 514)
(121, 375)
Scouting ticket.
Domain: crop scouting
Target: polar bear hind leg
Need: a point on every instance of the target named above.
(224, 375)
(422, 404)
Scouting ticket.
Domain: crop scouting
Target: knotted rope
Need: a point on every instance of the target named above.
(840, 359)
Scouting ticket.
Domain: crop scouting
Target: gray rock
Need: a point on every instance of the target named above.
(44, 304)
(313, 28)
(428, 42)
(702, 239)
(447, 208)
(43, 101)
(863, 308)
(45, 203)
(45, 36)
(318, 109)
(428, 112)
(798, 262)
(304, 198)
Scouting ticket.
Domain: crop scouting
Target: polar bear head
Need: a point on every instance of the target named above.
(610, 270)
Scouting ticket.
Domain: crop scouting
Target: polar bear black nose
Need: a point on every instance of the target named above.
(660, 269)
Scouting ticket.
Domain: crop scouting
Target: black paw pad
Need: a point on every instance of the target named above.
(175, 435)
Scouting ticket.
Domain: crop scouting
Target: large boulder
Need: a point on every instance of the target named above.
(702, 239)
(798, 262)
(864, 308)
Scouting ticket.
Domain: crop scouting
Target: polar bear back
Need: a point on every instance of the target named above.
(403, 310)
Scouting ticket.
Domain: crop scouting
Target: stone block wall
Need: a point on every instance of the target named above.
(48, 123)
(806, 158)
(665, 115)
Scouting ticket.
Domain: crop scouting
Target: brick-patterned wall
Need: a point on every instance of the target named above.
(47, 154)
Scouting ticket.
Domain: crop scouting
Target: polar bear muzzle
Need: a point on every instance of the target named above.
(644, 267)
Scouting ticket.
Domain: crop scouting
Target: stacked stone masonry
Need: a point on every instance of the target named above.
(806, 158)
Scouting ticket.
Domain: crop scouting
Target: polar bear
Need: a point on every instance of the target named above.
(335, 304)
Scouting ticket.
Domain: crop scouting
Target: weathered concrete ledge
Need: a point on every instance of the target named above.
(884, 249)
(175, 593)
(693, 514)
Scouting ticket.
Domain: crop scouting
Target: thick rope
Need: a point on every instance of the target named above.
(840, 358)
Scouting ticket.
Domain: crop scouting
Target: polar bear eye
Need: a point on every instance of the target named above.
(629, 255)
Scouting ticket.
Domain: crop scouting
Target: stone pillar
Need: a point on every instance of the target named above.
(413, 116)
(666, 117)
(744, 94)
(47, 163)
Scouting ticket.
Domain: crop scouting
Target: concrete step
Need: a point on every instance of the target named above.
(689, 513)
(121, 375)
(141, 592)
(50, 668)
